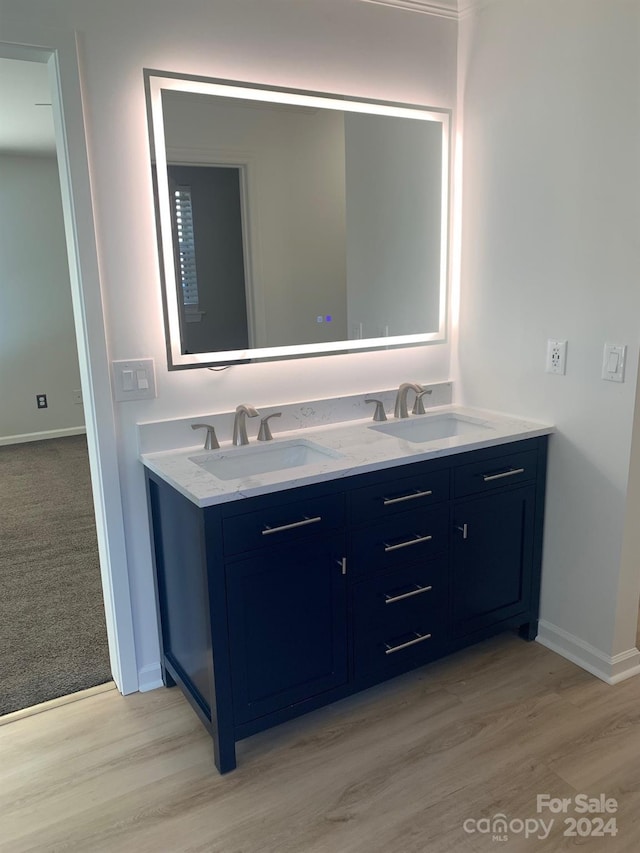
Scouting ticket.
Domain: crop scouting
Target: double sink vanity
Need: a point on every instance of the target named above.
(357, 544)
(297, 570)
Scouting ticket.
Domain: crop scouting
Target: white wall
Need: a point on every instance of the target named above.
(327, 45)
(551, 250)
(37, 339)
(394, 187)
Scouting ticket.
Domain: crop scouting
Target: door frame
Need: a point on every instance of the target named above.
(246, 252)
(59, 51)
(245, 162)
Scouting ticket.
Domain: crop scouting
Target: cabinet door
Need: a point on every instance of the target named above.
(287, 624)
(492, 558)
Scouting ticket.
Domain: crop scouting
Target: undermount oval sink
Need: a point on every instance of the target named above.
(425, 428)
(238, 462)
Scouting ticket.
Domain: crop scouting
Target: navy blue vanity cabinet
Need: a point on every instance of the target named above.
(252, 606)
(398, 562)
(271, 606)
(496, 542)
(191, 610)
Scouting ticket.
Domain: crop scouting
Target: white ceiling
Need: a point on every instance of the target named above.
(24, 127)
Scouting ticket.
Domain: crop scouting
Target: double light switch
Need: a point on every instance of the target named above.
(134, 380)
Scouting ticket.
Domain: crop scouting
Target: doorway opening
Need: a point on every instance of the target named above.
(53, 637)
(209, 222)
(57, 51)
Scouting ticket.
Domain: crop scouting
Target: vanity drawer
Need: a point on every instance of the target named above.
(392, 654)
(395, 599)
(409, 537)
(509, 469)
(385, 499)
(405, 631)
(282, 523)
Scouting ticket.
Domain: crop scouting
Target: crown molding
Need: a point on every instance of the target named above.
(452, 9)
(440, 9)
(466, 7)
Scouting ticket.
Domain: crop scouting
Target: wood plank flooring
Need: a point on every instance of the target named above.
(399, 768)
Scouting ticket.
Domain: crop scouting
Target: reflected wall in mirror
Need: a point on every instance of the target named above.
(292, 223)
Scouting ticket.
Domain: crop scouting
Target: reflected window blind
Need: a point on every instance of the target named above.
(186, 247)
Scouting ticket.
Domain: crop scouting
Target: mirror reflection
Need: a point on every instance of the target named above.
(293, 224)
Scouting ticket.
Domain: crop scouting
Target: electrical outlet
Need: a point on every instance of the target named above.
(41, 401)
(556, 357)
(77, 397)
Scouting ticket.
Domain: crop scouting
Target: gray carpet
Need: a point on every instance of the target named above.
(53, 637)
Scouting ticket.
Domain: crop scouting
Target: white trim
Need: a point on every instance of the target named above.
(611, 669)
(41, 436)
(58, 48)
(150, 678)
(467, 7)
(443, 9)
(452, 9)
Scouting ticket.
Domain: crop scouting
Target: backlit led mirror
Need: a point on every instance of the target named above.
(294, 223)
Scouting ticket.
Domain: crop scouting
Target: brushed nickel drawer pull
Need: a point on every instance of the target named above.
(488, 477)
(267, 529)
(388, 599)
(415, 541)
(416, 494)
(464, 530)
(420, 638)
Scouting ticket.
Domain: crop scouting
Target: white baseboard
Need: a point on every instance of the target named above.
(150, 678)
(610, 669)
(41, 436)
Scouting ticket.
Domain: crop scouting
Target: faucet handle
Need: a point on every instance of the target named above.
(211, 441)
(379, 414)
(264, 433)
(418, 406)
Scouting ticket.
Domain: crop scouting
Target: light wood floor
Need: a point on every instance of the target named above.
(396, 769)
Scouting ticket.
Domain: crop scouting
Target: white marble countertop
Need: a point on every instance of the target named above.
(354, 448)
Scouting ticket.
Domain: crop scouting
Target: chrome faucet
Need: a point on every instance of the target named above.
(400, 410)
(239, 424)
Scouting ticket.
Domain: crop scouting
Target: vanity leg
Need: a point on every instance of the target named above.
(529, 631)
(224, 753)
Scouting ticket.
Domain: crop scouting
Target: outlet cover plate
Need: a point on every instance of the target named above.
(556, 357)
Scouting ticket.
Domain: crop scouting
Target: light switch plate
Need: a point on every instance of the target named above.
(134, 379)
(613, 359)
